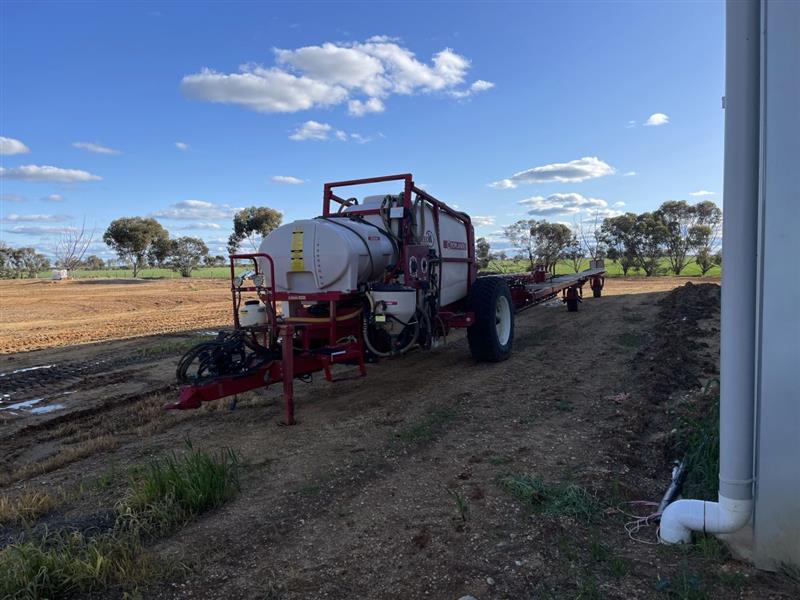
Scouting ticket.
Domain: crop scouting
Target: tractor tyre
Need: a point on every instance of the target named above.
(491, 336)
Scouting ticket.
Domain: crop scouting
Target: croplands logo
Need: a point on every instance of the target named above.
(428, 238)
(450, 245)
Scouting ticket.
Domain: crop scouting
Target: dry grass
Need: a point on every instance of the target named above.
(28, 506)
(62, 458)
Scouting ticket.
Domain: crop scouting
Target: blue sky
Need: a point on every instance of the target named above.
(498, 108)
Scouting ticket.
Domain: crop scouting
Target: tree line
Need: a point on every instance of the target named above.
(139, 242)
(677, 233)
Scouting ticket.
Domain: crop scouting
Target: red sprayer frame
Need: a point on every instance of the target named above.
(310, 343)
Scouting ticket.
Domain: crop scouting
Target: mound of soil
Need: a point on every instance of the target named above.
(674, 359)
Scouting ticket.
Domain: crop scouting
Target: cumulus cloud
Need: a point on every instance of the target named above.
(319, 132)
(47, 173)
(362, 74)
(94, 148)
(357, 108)
(196, 210)
(12, 198)
(702, 193)
(12, 146)
(311, 130)
(476, 87)
(482, 221)
(16, 218)
(286, 179)
(563, 204)
(618, 204)
(53, 198)
(182, 146)
(657, 119)
(574, 171)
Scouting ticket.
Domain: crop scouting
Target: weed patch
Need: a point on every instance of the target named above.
(174, 489)
(697, 438)
(557, 500)
(164, 495)
(427, 427)
(631, 340)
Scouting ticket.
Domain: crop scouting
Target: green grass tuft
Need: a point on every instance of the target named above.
(172, 490)
(425, 429)
(164, 495)
(568, 500)
(697, 438)
(63, 565)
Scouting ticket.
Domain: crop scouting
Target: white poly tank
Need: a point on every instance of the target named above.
(450, 243)
(326, 255)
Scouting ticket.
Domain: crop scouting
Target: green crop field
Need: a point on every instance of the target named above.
(504, 266)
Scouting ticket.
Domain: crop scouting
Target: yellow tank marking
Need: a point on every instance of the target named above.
(297, 261)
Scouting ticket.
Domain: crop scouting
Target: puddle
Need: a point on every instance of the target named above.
(29, 407)
(24, 404)
(43, 410)
(25, 370)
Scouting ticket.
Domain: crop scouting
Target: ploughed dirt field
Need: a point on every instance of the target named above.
(432, 477)
(43, 314)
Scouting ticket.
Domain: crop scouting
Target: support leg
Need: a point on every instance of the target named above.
(288, 374)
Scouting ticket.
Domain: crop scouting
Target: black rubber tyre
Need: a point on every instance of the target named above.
(572, 305)
(492, 335)
(597, 292)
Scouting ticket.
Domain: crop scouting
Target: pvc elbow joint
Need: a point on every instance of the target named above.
(684, 516)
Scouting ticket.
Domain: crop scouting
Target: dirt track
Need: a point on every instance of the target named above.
(357, 501)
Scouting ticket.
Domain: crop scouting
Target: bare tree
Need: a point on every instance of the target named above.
(72, 245)
(589, 235)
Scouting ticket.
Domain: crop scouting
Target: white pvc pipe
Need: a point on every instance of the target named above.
(739, 288)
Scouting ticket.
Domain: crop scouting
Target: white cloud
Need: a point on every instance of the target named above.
(94, 148)
(361, 74)
(631, 124)
(16, 218)
(182, 146)
(482, 221)
(311, 130)
(39, 229)
(629, 174)
(11, 146)
(361, 139)
(701, 193)
(47, 173)
(657, 119)
(209, 225)
(573, 171)
(618, 204)
(563, 204)
(320, 132)
(196, 210)
(357, 108)
(53, 198)
(286, 179)
(12, 198)
(476, 87)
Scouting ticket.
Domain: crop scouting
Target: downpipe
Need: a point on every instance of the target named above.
(682, 517)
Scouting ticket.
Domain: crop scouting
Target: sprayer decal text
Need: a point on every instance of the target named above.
(450, 245)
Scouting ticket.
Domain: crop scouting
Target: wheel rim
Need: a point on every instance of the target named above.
(502, 320)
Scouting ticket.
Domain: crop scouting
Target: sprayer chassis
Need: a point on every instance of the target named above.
(310, 344)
